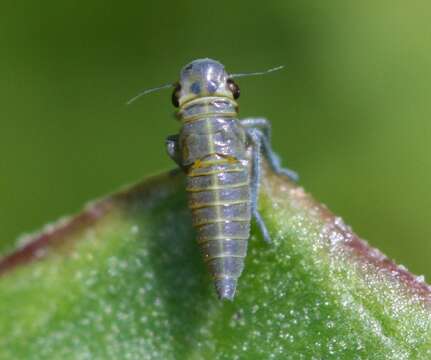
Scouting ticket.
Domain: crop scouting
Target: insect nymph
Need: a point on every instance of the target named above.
(221, 157)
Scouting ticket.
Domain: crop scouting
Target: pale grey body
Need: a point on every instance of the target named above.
(221, 157)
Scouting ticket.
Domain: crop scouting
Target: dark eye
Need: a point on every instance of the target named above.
(176, 95)
(234, 88)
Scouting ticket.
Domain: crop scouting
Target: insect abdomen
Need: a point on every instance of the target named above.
(219, 198)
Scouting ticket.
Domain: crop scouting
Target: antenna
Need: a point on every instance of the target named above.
(257, 73)
(148, 91)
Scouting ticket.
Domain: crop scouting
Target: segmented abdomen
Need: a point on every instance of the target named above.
(219, 198)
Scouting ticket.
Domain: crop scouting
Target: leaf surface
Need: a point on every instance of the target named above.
(124, 280)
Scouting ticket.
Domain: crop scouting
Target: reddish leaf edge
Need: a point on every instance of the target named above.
(38, 245)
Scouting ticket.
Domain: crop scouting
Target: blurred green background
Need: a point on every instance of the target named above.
(350, 113)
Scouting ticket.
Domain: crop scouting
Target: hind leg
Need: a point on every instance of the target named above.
(256, 172)
(263, 129)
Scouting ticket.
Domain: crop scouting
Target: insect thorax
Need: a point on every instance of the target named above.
(210, 127)
(207, 106)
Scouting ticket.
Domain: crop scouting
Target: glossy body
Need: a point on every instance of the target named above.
(218, 189)
(221, 158)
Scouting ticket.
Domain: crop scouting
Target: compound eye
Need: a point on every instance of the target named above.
(234, 88)
(176, 95)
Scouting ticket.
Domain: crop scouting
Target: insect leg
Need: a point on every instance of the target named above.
(173, 149)
(263, 126)
(259, 123)
(256, 143)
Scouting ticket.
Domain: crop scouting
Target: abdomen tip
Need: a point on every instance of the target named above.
(225, 288)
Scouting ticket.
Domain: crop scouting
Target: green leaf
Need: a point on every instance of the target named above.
(124, 280)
